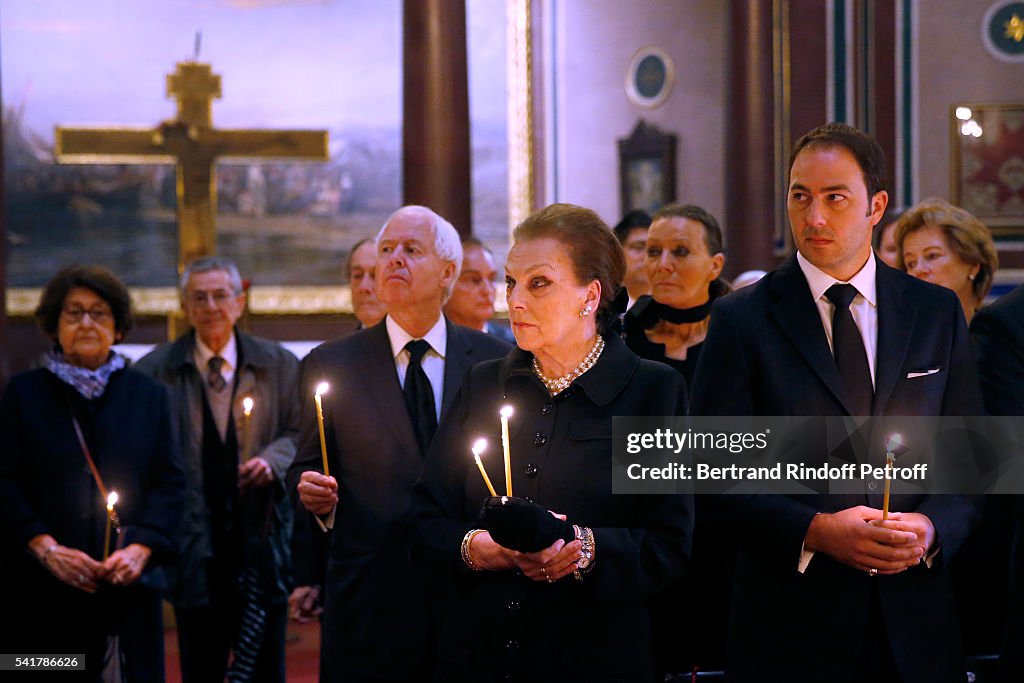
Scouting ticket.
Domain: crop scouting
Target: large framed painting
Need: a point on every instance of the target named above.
(333, 65)
(987, 142)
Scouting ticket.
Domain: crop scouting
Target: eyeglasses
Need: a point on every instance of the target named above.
(218, 297)
(74, 314)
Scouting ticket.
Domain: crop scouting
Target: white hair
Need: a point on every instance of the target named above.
(447, 242)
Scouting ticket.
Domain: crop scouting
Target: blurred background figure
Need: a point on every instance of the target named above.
(998, 335)
(82, 426)
(746, 278)
(362, 261)
(632, 234)
(472, 301)
(883, 241)
(233, 572)
(946, 245)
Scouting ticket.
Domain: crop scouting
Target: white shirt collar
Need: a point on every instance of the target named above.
(819, 281)
(204, 353)
(437, 336)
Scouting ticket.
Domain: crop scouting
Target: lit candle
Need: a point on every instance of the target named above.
(891, 444)
(506, 413)
(321, 389)
(247, 403)
(478, 448)
(111, 502)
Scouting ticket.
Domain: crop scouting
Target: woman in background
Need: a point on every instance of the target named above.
(944, 244)
(684, 262)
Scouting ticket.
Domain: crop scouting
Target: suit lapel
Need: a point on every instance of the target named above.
(798, 318)
(458, 358)
(896, 317)
(381, 379)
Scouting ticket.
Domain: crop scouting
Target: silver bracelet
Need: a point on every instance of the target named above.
(586, 563)
(467, 559)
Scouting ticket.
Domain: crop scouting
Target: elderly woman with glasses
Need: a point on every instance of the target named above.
(91, 489)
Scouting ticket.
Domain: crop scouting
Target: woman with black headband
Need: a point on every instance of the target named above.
(684, 261)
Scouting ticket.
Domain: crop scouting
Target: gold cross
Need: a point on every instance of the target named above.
(1014, 28)
(192, 143)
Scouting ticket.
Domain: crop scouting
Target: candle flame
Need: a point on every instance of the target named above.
(506, 411)
(322, 388)
(894, 441)
(247, 406)
(479, 446)
(111, 500)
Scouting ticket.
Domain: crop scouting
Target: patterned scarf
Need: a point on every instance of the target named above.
(89, 383)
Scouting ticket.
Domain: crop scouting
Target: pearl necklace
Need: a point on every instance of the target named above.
(560, 384)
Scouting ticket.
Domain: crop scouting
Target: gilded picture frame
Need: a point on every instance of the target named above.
(987, 164)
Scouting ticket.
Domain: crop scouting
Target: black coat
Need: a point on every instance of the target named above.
(495, 623)
(375, 621)
(46, 487)
(766, 354)
(998, 334)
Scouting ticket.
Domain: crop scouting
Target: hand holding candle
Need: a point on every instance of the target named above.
(506, 413)
(322, 389)
(478, 447)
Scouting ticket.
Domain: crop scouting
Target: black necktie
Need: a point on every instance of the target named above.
(213, 377)
(848, 347)
(419, 395)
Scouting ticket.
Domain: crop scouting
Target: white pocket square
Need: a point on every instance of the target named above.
(924, 373)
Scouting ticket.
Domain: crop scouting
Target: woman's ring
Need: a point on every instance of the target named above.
(81, 578)
(872, 572)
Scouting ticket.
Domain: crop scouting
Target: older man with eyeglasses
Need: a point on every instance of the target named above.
(237, 415)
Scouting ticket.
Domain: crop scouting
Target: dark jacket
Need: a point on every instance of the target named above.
(45, 483)
(495, 623)
(268, 373)
(46, 487)
(998, 335)
(766, 354)
(375, 615)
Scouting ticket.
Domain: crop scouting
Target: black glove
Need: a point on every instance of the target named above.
(518, 524)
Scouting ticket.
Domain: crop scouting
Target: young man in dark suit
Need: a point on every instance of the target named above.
(389, 386)
(821, 594)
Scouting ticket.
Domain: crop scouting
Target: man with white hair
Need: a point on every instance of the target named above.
(389, 386)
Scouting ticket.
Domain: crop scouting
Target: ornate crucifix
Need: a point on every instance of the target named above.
(191, 142)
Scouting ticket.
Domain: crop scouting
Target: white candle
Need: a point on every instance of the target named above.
(891, 444)
(322, 389)
(247, 404)
(111, 502)
(506, 413)
(478, 447)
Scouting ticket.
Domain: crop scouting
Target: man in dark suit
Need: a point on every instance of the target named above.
(998, 334)
(390, 385)
(820, 594)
